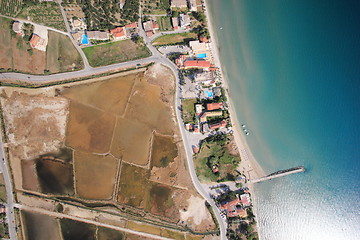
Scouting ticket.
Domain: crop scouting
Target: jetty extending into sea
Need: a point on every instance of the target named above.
(277, 174)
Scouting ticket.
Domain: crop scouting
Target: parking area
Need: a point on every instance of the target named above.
(174, 49)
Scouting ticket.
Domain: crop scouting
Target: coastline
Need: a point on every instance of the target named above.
(249, 166)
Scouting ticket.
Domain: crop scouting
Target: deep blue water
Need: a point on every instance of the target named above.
(294, 73)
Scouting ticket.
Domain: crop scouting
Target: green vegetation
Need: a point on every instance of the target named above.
(188, 110)
(47, 13)
(10, 7)
(215, 152)
(4, 231)
(164, 23)
(115, 52)
(155, 6)
(174, 39)
(201, 31)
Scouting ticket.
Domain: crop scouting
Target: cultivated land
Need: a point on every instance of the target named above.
(17, 55)
(45, 13)
(175, 38)
(115, 52)
(68, 141)
(164, 23)
(188, 110)
(10, 7)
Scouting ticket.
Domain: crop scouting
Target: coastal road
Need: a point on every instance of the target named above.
(9, 193)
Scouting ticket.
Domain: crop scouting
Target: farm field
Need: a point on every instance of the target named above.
(10, 7)
(40, 227)
(105, 142)
(188, 110)
(115, 52)
(45, 13)
(155, 6)
(95, 175)
(175, 38)
(16, 55)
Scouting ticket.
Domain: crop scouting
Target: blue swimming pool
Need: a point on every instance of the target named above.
(84, 39)
(201, 55)
(209, 94)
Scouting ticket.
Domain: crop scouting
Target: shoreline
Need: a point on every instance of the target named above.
(248, 164)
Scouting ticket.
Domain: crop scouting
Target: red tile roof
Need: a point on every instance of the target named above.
(35, 39)
(196, 63)
(204, 39)
(118, 32)
(155, 25)
(213, 106)
(131, 25)
(233, 209)
(218, 125)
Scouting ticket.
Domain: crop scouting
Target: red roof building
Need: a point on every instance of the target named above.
(233, 208)
(217, 125)
(118, 33)
(195, 149)
(245, 200)
(131, 25)
(155, 25)
(196, 129)
(214, 106)
(204, 39)
(215, 169)
(196, 64)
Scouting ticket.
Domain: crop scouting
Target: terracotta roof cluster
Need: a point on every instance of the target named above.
(131, 25)
(196, 64)
(233, 208)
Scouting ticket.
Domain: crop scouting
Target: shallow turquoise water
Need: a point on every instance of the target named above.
(294, 74)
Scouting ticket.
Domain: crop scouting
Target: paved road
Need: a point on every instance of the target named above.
(83, 56)
(61, 215)
(9, 193)
(188, 150)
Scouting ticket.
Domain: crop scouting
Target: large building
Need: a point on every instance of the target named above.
(37, 42)
(118, 33)
(205, 115)
(184, 20)
(182, 4)
(183, 63)
(17, 27)
(97, 35)
(200, 49)
(233, 208)
(192, 5)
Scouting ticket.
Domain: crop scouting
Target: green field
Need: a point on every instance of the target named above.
(188, 110)
(215, 151)
(155, 6)
(176, 38)
(47, 13)
(10, 7)
(164, 23)
(115, 52)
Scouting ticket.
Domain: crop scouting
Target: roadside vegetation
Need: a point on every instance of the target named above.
(155, 6)
(175, 39)
(188, 110)
(164, 23)
(2, 189)
(116, 52)
(45, 13)
(10, 7)
(216, 152)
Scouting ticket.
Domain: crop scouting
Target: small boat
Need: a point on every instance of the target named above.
(247, 133)
(221, 28)
(243, 125)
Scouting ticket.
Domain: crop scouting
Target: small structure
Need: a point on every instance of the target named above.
(17, 27)
(200, 49)
(184, 20)
(189, 127)
(198, 109)
(204, 39)
(175, 23)
(205, 77)
(131, 25)
(192, 5)
(195, 149)
(2, 209)
(182, 4)
(98, 35)
(215, 169)
(217, 125)
(150, 27)
(245, 200)
(217, 91)
(118, 33)
(37, 42)
(131, 29)
(214, 106)
(78, 24)
(196, 129)
(233, 208)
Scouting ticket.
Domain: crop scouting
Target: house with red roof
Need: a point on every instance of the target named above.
(214, 106)
(233, 208)
(118, 33)
(217, 125)
(245, 200)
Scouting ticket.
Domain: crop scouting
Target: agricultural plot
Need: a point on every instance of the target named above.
(164, 151)
(74, 230)
(109, 234)
(89, 129)
(155, 6)
(17, 55)
(115, 52)
(175, 38)
(95, 175)
(45, 13)
(40, 227)
(164, 23)
(10, 7)
(188, 110)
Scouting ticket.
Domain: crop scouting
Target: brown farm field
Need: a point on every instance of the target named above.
(16, 55)
(95, 175)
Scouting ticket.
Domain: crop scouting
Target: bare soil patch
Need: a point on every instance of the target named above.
(111, 95)
(29, 177)
(89, 129)
(109, 234)
(95, 175)
(164, 151)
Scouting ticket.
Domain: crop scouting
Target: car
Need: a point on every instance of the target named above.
(138, 65)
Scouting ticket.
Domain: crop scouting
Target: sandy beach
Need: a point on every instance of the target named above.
(248, 165)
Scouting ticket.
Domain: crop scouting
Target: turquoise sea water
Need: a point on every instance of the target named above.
(294, 73)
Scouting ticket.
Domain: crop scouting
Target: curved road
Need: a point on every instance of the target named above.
(156, 57)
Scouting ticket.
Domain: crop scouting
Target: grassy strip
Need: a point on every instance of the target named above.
(174, 39)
